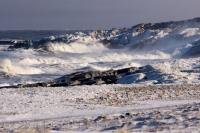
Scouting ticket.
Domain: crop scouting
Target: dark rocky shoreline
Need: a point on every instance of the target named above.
(103, 77)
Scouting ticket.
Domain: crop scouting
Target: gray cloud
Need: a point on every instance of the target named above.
(91, 14)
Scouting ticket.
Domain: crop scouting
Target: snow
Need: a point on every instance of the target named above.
(88, 102)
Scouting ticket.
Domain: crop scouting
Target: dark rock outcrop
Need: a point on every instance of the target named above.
(105, 77)
(6, 42)
(193, 51)
(21, 44)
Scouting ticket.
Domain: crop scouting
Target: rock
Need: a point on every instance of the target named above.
(133, 78)
(6, 42)
(121, 76)
(21, 44)
(193, 51)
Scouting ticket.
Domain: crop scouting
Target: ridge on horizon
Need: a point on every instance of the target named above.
(197, 19)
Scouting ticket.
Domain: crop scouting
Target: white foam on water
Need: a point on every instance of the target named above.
(188, 32)
(8, 67)
(82, 45)
(86, 52)
(41, 60)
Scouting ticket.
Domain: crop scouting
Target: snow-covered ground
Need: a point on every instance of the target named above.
(101, 108)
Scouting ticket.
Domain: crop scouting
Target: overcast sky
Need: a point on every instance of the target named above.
(91, 14)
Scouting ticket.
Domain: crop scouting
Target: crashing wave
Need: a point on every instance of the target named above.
(168, 37)
(81, 45)
(6, 66)
(102, 50)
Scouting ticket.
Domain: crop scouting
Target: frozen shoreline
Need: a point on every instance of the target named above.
(64, 107)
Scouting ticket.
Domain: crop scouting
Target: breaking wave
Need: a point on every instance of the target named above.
(83, 45)
(6, 66)
(157, 45)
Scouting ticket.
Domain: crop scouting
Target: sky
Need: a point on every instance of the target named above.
(91, 14)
